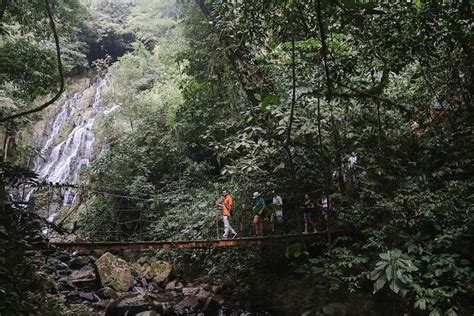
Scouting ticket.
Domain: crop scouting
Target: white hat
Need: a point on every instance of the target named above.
(256, 195)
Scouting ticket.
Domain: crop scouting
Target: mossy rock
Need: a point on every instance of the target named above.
(114, 272)
(160, 271)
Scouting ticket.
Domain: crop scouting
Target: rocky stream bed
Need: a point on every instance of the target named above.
(106, 284)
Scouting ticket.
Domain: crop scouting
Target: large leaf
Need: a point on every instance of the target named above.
(379, 284)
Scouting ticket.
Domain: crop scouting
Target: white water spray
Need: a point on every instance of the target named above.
(61, 162)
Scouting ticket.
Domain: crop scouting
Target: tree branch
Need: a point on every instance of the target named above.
(293, 95)
(250, 77)
(60, 71)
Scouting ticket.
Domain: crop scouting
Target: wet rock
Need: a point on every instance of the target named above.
(87, 268)
(61, 266)
(102, 304)
(79, 278)
(174, 286)
(130, 304)
(152, 286)
(114, 272)
(79, 262)
(187, 291)
(188, 304)
(138, 289)
(107, 293)
(91, 297)
(212, 307)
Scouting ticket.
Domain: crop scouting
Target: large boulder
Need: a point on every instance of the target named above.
(114, 272)
(160, 271)
(157, 270)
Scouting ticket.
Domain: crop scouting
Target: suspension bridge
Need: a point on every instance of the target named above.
(123, 227)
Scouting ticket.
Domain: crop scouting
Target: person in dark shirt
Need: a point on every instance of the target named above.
(258, 209)
(309, 209)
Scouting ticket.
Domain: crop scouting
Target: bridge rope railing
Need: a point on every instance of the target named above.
(129, 223)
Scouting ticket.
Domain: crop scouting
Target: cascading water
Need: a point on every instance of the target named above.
(62, 157)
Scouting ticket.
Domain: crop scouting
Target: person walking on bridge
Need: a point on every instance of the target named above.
(277, 215)
(258, 210)
(226, 206)
(309, 209)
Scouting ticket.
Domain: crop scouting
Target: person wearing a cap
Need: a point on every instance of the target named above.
(226, 214)
(278, 214)
(259, 207)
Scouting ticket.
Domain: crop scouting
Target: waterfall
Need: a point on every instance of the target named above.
(62, 156)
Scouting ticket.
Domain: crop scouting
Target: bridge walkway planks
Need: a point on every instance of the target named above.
(190, 244)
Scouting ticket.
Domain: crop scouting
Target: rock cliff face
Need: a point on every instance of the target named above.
(67, 141)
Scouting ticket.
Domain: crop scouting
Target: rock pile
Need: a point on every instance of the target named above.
(112, 285)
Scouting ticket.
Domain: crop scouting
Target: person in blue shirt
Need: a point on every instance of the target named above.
(258, 210)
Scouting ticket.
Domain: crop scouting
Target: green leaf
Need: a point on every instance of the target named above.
(380, 265)
(257, 96)
(379, 283)
(435, 312)
(396, 253)
(270, 99)
(389, 273)
(421, 304)
(395, 286)
(374, 275)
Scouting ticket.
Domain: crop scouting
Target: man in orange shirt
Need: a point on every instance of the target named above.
(226, 214)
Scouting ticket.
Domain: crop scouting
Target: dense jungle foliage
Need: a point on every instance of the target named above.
(275, 95)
